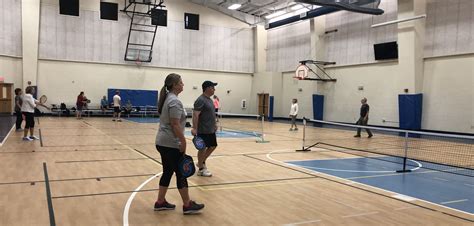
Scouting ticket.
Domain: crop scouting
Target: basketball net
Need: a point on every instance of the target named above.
(301, 72)
(138, 62)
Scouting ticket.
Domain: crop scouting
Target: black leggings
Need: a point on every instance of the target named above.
(19, 119)
(170, 159)
(29, 119)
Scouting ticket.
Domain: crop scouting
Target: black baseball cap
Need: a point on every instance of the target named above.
(206, 84)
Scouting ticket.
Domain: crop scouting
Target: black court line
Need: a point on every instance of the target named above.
(191, 186)
(52, 221)
(76, 179)
(21, 182)
(287, 167)
(95, 145)
(41, 138)
(374, 192)
(89, 145)
(147, 156)
(43, 151)
(102, 177)
(102, 160)
(99, 135)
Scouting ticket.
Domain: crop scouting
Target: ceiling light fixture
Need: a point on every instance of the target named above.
(234, 6)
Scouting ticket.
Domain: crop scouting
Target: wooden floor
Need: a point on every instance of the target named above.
(103, 173)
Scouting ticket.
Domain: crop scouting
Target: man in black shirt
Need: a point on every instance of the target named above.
(364, 117)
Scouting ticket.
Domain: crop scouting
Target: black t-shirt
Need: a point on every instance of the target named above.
(363, 110)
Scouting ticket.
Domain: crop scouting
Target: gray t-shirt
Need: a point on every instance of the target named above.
(207, 117)
(172, 108)
(20, 101)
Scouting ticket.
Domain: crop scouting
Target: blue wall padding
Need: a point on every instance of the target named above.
(136, 97)
(270, 114)
(318, 106)
(318, 109)
(409, 109)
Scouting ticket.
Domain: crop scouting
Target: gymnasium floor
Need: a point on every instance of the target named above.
(98, 172)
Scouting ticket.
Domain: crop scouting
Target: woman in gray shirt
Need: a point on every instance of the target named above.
(171, 144)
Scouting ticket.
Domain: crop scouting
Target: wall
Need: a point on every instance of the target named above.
(10, 28)
(62, 82)
(449, 27)
(11, 70)
(448, 101)
(381, 87)
(87, 38)
(354, 40)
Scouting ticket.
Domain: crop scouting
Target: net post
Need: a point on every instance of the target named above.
(405, 156)
(304, 137)
(220, 121)
(262, 137)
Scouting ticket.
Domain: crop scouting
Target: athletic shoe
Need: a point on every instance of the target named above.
(192, 208)
(19, 130)
(34, 138)
(370, 136)
(27, 139)
(296, 129)
(291, 129)
(119, 120)
(113, 120)
(204, 173)
(357, 136)
(164, 206)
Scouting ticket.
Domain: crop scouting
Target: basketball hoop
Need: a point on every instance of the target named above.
(301, 72)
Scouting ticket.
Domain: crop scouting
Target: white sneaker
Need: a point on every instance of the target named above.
(34, 138)
(27, 139)
(204, 173)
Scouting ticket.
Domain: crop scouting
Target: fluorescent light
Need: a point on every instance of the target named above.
(234, 6)
(296, 7)
(300, 11)
(284, 16)
(275, 14)
(399, 21)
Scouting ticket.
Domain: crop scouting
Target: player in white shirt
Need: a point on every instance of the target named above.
(293, 114)
(117, 101)
(28, 110)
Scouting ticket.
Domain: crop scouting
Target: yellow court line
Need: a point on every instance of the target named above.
(128, 147)
(257, 184)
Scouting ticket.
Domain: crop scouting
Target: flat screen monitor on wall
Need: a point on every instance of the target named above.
(108, 11)
(191, 21)
(69, 7)
(386, 51)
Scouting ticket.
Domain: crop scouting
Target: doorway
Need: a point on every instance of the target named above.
(263, 104)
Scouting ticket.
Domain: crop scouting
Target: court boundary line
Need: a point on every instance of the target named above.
(132, 196)
(41, 137)
(191, 186)
(352, 171)
(7, 136)
(52, 220)
(329, 178)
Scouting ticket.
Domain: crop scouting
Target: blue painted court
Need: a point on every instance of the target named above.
(450, 190)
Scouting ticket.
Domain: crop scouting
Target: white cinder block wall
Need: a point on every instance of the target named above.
(62, 81)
